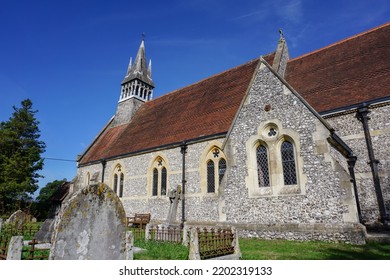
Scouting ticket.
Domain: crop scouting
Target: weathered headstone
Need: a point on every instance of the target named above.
(1, 223)
(46, 231)
(174, 196)
(129, 246)
(15, 248)
(91, 225)
(194, 245)
(18, 218)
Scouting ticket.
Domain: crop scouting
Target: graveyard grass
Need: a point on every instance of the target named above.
(157, 250)
(256, 249)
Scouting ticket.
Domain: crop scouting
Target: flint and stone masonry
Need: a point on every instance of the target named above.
(351, 130)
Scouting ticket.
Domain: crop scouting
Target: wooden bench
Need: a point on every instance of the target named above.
(139, 220)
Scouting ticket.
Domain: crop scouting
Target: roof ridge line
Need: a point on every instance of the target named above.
(340, 42)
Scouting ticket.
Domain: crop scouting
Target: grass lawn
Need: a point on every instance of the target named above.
(155, 250)
(256, 249)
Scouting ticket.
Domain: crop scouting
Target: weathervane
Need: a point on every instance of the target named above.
(281, 34)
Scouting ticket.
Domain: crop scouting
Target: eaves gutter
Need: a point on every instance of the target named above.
(157, 148)
(353, 108)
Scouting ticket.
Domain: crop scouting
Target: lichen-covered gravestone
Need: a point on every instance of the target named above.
(46, 231)
(18, 219)
(91, 226)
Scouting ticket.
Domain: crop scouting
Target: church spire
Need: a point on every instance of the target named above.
(137, 87)
(138, 81)
(150, 68)
(129, 67)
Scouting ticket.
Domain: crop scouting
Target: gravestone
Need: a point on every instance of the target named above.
(91, 226)
(15, 248)
(46, 231)
(18, 218)
(174, 196)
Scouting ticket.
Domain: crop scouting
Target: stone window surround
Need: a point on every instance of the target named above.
(118, 171)
(158, 163)
(273, 144)
(206, 156)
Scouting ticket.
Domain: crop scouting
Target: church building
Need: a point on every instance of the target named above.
(278, 147)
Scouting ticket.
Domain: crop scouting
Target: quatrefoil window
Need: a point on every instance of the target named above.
(272, 132)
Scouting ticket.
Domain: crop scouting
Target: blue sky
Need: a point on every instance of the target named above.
(69, 57)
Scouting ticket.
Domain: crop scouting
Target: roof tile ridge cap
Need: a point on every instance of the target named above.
(205, 79)
(341, 41)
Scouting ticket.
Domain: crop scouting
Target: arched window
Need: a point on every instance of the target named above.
(118, 180)
(155, 182)
(213, 168)
(115, 186)
(159, 177)
(274, 162)
(163, 181)
(288, 162)
(122, 178)
(222, 169)
(210, 177)
(262, 166)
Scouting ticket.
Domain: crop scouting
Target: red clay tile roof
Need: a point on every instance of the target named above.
(203, 109)
(346, 73)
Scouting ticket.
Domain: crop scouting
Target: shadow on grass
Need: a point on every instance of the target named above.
(370, 251)
(255, 249)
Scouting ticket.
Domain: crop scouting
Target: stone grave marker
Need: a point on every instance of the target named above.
(15, 248)
(18, 218)
(174, 197)
(46, 231)
(91, 226)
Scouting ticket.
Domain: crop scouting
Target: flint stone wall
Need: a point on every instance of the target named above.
(350, 129)
(91, 226)
(322, 199)
(347, 233)
(137, 196)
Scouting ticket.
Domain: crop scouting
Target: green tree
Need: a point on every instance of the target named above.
(43, 200)
(20, 157)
